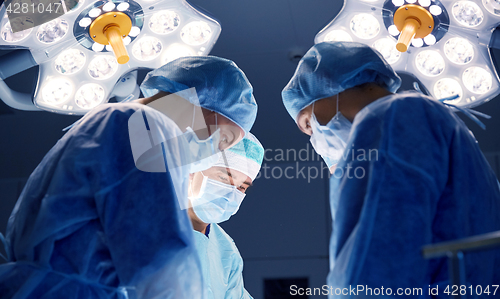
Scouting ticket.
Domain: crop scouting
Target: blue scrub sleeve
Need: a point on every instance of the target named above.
(90, 224)
(148, 236)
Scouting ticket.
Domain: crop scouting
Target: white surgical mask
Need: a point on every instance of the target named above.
(202, 154)
(216, 202)
(330, 140)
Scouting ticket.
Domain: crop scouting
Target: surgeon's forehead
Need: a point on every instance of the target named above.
(226, 171)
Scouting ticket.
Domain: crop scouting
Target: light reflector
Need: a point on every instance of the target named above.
(338, 36)
(70, 61)
(467, 13)
(9, 36)
(102, 67)
(365, 26)
(176, 51)
(477, 80)
(89, 96)
(196, 33)
(147, 48)
(57, 91)
(448, 87)
(164, 22)
(459, 50)
(387, 47)
(430, 63)
(52, 31)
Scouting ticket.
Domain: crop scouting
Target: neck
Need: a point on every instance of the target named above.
(359, 98)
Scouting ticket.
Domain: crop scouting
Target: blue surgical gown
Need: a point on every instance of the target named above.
(89, 224)
(222, 265)
(412, 175)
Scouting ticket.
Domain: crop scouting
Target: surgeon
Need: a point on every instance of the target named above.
(407, 173)
(90, 224)
(215, 195)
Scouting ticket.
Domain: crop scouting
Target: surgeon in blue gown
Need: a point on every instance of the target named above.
(215, 195)
(90, 224)
(407, 172)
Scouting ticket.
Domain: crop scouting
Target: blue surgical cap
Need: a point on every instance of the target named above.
(329, 68)
(220, 85)
(246, 156)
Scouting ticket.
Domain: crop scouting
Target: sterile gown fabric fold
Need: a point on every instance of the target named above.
(89, 224)
(222, 265)
(412, 175)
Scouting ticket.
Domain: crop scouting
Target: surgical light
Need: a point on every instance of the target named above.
(364, 26)
(417, 42)
(164, 22)
(435, 10)
(493, 6)
(70, 61)
(387, 47)
(477, 79)
(338, 36)
(398, 2)
(147, 48)
(89, 96)
(134, 31)
(443, 43)
(447, 87)
(459, 50)
(430, 63)
(430, 40)
(83, 53)
(11, 37)
(196, 33)
(467, 13)
(52, 31)
(176, 51)
(424, 3)
(103, 67)
(57, 91)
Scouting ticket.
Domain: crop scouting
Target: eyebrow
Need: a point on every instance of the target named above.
(228, 172)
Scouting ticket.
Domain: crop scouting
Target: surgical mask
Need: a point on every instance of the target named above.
(330, 140)
(216, 202)
(202, 154)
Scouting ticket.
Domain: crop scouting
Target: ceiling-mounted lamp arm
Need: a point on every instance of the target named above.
(11, 64)
(15, 62)
(16, 100)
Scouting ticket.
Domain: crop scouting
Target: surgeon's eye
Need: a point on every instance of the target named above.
(242, 189)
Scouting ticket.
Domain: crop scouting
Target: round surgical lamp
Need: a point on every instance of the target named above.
(444, 44)
(93, 50)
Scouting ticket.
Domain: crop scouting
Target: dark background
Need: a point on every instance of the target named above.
(283, 226)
